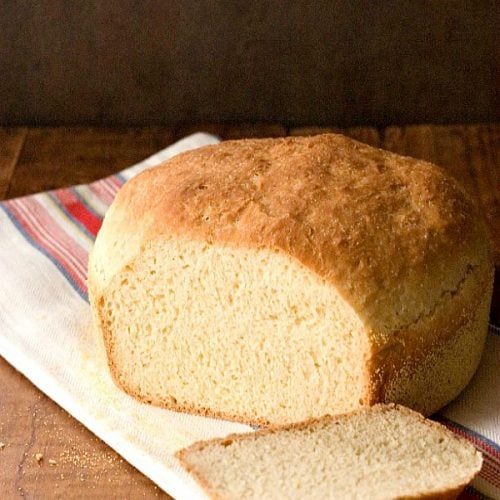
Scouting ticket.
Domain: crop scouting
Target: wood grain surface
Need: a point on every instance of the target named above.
(11, 142)
(72, 463)
(125, 62)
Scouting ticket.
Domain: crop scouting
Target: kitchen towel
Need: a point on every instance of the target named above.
(46, 334)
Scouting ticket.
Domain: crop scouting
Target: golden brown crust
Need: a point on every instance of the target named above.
(450, 493)
(381, 228)
(410, 351)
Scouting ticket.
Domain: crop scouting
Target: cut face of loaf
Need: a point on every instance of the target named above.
(248, 335)
(272, 281)
(386, 452)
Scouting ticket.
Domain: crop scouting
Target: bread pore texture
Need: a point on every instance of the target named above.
(276, 280)
(386, 452)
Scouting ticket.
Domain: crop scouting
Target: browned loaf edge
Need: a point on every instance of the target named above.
(447, 494)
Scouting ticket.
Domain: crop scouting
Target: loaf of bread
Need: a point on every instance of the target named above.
(385, 452)
(276, 280)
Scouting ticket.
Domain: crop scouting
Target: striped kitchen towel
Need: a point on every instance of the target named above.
(45, 332)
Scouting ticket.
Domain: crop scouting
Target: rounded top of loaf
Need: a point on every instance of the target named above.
(391, 233)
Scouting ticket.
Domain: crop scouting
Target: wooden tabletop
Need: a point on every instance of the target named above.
(72, 462)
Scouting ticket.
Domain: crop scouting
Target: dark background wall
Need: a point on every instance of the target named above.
(298, 62)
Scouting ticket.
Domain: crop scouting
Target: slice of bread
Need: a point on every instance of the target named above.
(383, 452)
(272, 281)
